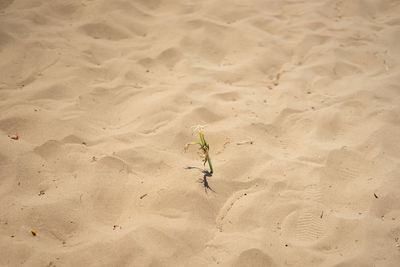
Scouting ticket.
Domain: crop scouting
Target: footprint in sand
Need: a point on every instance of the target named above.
(345, 170)
(306, 225)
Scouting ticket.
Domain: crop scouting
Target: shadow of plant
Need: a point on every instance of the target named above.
(203, 180)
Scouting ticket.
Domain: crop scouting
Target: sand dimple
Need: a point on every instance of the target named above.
(4, 4)
(254, 257)
(103, 31)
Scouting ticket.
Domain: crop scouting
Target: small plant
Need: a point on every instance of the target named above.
(204, 147)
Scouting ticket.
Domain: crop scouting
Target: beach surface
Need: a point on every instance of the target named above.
(301, 102)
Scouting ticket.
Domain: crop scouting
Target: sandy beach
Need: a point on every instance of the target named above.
(301, 102)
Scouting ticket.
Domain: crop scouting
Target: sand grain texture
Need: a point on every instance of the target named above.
(302, 103)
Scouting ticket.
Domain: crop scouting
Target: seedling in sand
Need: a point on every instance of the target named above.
(204, 147)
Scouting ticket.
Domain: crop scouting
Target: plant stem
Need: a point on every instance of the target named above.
(209, 164)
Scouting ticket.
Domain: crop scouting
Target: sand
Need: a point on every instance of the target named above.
(302, 105)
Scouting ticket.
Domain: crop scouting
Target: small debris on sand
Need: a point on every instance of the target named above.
(245, 142)
(117, 226)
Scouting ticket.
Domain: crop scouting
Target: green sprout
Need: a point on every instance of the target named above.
(204, 147)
